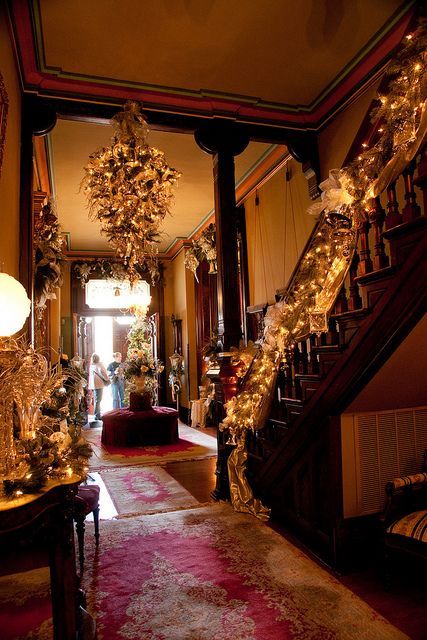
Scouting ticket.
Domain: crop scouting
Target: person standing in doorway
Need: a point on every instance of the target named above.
(117, 377)
(98, 379)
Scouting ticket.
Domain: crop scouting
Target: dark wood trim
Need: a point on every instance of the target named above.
(26, 222)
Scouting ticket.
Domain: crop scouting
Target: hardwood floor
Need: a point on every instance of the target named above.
(197, 476)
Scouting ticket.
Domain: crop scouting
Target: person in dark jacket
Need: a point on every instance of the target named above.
(116, 374)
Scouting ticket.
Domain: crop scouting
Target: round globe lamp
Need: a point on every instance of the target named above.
(14, 305)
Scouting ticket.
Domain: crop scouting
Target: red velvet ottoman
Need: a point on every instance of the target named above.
(127, 428)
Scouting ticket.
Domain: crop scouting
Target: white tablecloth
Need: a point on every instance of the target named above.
(199, 411)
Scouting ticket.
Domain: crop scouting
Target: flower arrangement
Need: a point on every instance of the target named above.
(40, 430)
(48, 257)
(204, 248)
(141, 363)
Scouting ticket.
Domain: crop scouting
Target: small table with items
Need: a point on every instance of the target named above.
(48, 517)
(199, 411)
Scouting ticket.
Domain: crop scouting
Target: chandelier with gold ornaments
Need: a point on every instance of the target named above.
(128, 186)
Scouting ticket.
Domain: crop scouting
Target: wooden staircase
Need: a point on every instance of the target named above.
(294, 463)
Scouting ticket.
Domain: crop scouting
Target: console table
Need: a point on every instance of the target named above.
(48, 517)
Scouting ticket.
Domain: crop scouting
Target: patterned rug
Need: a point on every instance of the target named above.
(212, 574)
(192, 445)
(145, 490)
(25, 609)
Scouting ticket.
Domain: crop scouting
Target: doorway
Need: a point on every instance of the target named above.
(103, 335)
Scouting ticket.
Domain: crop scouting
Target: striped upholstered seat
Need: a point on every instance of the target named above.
(407, 481)
(413, 525)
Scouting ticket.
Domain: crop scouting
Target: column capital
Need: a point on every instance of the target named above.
(222, 136)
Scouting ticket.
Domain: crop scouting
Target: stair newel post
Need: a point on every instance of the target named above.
(393, 217)
(411, 210)
(376, 218)
(365, 262)
(354, 301)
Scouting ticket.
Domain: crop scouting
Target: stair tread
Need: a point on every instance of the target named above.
(329, 348)
(294, 401)
(308, 376)
(374, 276)
(348, 315)
(280, 423)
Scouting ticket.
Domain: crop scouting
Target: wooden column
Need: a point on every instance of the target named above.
(224, 140)
(35, 121)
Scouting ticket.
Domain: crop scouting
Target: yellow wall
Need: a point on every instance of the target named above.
(401, 381)
(277, 230)
(179, 300)
(9, 179)
(279, 227)
(336, 139)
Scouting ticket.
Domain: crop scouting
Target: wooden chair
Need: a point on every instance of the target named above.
(86, 501)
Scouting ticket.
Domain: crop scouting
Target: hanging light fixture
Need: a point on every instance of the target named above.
(129, 190)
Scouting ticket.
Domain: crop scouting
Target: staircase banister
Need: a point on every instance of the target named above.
(392, 318)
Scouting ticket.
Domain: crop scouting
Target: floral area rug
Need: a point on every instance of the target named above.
(145, 490)
(212, 574)
(192, 445)
(25, 608)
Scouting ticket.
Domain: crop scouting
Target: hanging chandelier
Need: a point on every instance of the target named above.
(128, 186)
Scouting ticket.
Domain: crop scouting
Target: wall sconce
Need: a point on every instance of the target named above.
(14, 305)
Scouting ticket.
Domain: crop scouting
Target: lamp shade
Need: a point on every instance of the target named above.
(14, 305)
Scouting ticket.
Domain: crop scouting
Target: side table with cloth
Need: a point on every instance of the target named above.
(140, 424)
(199, 411)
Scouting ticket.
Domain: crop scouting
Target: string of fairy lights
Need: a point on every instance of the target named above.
(346, 200)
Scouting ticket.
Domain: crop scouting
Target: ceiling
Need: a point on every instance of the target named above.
(278, 62)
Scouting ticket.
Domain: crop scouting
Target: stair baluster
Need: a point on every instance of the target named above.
(393, 217)
(376, 218)
(355, 300)
(411, 210)
(365, 262)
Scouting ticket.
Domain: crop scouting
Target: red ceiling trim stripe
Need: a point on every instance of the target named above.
(51, 84)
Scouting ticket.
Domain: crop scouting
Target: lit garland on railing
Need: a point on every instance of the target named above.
(402, 121)
(129, 189)
(345, 203)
